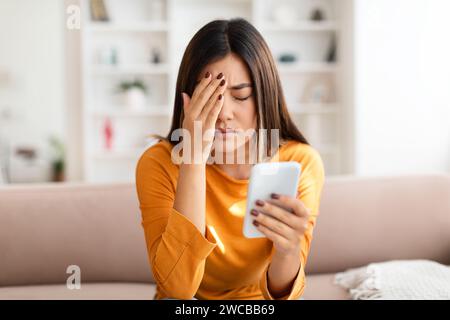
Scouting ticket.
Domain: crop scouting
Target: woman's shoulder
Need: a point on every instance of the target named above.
(157, 153)
(305, 154)
(297, 151)
(160, 148)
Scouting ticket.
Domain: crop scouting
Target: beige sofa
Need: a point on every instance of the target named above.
(44, 229)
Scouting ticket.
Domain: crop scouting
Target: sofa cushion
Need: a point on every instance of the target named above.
(373, 219)
(317, 287)
(46, 228)
(322, 287)
(88, 291)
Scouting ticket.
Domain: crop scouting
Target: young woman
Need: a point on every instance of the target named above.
(192, 212)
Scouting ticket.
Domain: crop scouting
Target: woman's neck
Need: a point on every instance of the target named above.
(236, 169)
(239, 170)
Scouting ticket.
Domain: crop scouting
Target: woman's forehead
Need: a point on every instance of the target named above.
(233, 68)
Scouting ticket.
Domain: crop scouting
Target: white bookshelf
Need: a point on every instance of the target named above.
(157, 26)
(161, 69)
(301, 26)
(133, 31)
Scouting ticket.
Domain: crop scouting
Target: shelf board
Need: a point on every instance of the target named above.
(313, 108)
(131, 154)
(300, 26)
(306, 67)
(134, 154)
(146, 69)
(150, 26)
(155, 111)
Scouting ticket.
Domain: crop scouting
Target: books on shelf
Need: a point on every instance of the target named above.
(98, 10)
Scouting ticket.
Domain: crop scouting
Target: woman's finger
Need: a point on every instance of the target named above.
(275, 225)
(212, 101)
(279, 242)
(201, 85)
(278, 213)
(272, 235)
(214, 113)
(200, 101)
(186, 101)
(293, 204)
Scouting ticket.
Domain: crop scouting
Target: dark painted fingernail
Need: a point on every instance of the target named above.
(222, 82)
(275, 196)
(254, 212)
(256, 223)
(220, 75)
(259, 202)
(220, 96)
(207, 74)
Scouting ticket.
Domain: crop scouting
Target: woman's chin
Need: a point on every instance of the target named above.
(227, 143)
(224, 146)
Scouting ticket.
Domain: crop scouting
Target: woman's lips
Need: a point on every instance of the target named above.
(225, 132)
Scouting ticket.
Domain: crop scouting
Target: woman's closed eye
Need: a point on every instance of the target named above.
(242, 98)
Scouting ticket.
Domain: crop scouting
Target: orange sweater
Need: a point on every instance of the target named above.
(223, 264)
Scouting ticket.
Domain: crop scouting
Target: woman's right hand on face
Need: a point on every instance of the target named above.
(203, 108)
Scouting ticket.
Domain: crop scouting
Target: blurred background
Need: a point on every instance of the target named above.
(84, 82)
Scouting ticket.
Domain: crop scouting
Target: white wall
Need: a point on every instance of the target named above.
(402, 82)
(73, 99)
(31, 52)
(402, 86)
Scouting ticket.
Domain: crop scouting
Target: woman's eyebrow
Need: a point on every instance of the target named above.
(241, 86)
(236, 87)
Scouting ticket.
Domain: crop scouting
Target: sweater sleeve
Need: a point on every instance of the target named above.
(310, 189)
(177, 250)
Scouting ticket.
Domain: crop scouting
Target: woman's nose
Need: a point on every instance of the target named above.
(226, 113)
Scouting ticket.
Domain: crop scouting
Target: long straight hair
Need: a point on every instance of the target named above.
(216, 40)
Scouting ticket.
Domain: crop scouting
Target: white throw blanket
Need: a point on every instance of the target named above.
(399, 280)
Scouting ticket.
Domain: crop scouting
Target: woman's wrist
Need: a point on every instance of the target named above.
(190, 194)
(283, 271)
(287, 255)
(192, 166)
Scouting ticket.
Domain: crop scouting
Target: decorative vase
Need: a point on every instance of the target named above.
(108, 134)
(135, 99)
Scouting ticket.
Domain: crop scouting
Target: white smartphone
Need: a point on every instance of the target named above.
(265, 179)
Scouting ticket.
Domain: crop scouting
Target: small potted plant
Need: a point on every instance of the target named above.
(134, 92)
(58, 159)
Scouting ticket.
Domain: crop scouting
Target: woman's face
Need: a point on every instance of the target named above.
(238, 113)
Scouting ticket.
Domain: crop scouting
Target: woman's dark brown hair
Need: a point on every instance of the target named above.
(216, 40)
